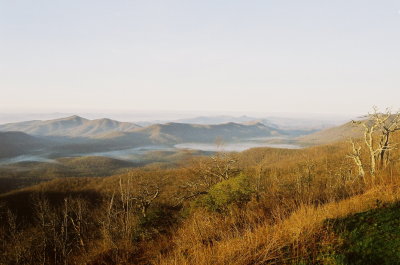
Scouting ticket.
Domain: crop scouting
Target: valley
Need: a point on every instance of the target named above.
(38, 151)
(75, 136)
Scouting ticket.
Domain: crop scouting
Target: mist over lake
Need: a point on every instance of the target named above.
(134, 154)
(138, 154)
(232, 147)
(131, 154)
(27, 158)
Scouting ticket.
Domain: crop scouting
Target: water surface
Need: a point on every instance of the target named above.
(137, 154)
(232, 147)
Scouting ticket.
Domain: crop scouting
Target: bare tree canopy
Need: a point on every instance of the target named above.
(378, 129)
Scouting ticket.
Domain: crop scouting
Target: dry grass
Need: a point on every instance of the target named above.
(206, 240)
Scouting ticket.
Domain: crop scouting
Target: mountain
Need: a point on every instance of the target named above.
(334, 134)
(172, 133)
(73, 126)
(18, 143)
(206, 120)
(217, 119)
(201, 128)
(79, 136)
(301, 124)
(21, 116)
(119, 132)
(164, 135)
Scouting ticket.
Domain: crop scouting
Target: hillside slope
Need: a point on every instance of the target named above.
(331, 135)
(17, 143)
(370, 237)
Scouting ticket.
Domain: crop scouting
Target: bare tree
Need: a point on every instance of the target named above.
(208, 172)
(63, 242)
(43, 217)
(223, 167)
(108, 223)
(356, 156)
(217, 168)
(78, 221)
(390, 124)
(125, 190)
(16, 249)
(135, 195)
(145, 196)
(378, 129)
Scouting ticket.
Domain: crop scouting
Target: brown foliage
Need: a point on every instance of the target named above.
(147, 215)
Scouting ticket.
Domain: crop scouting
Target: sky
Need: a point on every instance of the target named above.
(254, 56)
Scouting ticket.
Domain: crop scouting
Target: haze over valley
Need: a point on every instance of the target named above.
(36, 151)
(39, 140)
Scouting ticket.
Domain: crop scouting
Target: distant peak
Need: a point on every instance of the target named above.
(74, 118)
(175, 123)
(255, 122)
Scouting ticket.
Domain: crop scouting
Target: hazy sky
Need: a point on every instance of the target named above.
(320, 56)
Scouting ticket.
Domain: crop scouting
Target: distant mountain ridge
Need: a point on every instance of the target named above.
(305, 124)
(217, 119)
(75, 135)
(76, 126)
(73, 126)
(173, 133)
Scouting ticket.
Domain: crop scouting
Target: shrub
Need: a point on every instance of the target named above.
(235, 190)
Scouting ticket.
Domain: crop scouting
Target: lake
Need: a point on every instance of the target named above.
(232, 147)
(136, 154)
